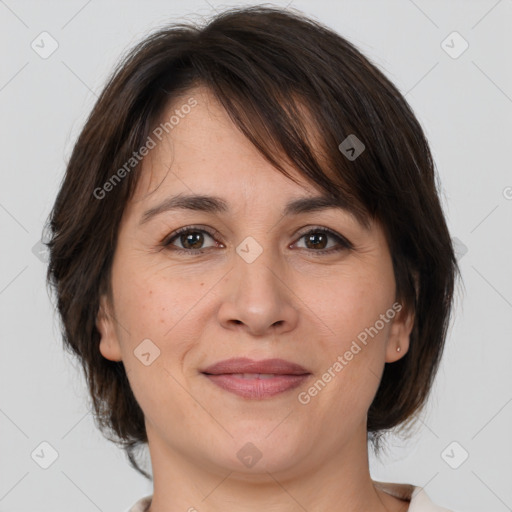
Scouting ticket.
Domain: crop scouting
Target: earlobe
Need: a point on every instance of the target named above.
(399, 337)
(109, 346)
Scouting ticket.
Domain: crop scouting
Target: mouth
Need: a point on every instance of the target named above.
(256, 379)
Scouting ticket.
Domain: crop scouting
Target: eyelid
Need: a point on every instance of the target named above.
(321, 229)
(342, 241)
(194, 227)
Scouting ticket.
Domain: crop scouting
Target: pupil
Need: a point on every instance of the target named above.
(317, 240)
(190, 238)
(314, 238)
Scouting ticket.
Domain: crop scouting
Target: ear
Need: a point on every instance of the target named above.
(110, 347)
(400, 331)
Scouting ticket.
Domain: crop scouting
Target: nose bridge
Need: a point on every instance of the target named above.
(258, 265)
(258, 297)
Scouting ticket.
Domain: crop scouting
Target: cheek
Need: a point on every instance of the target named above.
(156, 336)
(152, 305)
(152, 300)
(353, 304)
(358, 315)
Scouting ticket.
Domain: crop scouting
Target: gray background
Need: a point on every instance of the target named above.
(465, 107)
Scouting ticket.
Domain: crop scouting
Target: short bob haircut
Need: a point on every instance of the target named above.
(296, 90)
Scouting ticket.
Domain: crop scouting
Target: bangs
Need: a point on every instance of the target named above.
(285, 130)
(292, 126)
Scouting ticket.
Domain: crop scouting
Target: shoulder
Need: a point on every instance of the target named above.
(142, 505)
(418, 498)
(420, 502)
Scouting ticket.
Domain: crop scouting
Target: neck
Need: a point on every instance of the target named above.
(335, 481)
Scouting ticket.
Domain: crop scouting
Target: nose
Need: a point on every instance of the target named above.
(257, 298)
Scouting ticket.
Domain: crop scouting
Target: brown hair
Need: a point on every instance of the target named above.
(264, 65)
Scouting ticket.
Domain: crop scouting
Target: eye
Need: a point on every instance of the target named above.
(317, 240)
(192, 239)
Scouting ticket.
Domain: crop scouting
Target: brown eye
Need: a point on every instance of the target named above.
(318, 239)
(190, 240)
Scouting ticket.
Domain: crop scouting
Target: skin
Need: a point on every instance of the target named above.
(290, 303)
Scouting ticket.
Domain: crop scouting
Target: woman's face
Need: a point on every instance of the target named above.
(246, 281)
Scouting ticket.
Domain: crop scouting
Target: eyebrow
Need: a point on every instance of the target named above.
(214, 204)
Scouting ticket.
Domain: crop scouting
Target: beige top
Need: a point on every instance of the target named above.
(419, 501)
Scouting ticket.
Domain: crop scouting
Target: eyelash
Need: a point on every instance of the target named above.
(343, 242)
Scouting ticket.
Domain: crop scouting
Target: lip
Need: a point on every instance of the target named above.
(246, 365)
(256, 388)
(227, 375)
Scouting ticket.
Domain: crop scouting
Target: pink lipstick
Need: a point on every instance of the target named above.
(256, 379)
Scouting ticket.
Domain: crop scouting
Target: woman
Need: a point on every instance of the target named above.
(252, 264)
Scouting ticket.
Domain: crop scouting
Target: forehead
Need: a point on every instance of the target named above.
(199, 151)
(201, 145)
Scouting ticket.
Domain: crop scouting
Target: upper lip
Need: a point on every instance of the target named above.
(246, 365)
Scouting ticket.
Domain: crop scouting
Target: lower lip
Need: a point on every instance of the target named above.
(257, 388)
